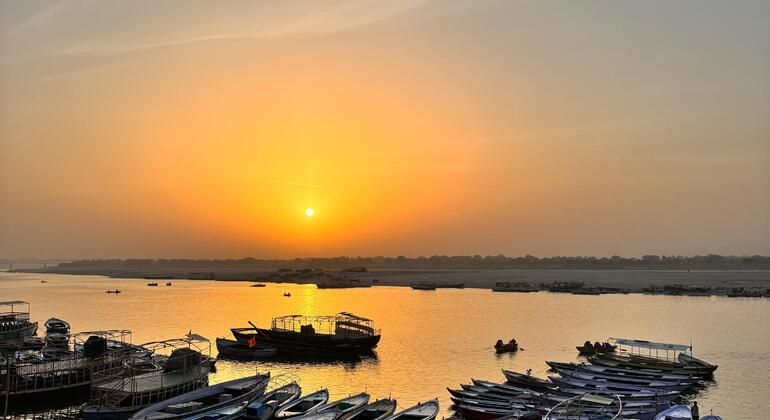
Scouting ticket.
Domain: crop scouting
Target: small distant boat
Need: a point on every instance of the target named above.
(168, 284)
(152, 284)
(56, 326)
(258, 285)
(346, 407)
(116, 291)
(450, 285)
(519, 286)
(43, 281)
(509, 347)
(234, 349)
(303, 405)
(221, 401)
(424, 285)
(423, 411)
(377, 410)
(287, 294)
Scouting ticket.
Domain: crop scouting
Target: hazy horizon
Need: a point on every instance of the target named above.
(201, 129)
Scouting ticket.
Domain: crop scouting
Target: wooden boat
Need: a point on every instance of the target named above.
(14, 321)
(480, 395)
(56, 326)
(258, 285)
(234, 349)
(620, 372)
(424, 285)
(488, 403)
(346, 407)
(639, 362)
(422, 411)
(509, 347)
(226, 400)
(303, 405)
(377, 410)
(287, 294)
(116, 291)
(264, 407)
(647, 382)
(149, 377)
(587, 406)
(606, 386)
(527, 380)
(643, 354)
(168, 283)
(341, 335)
(153, 284)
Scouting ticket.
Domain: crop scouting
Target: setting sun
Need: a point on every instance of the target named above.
(309, 212)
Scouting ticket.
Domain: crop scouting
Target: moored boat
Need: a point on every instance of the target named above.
(234, 349)
(377, 410)
(346, 407)
(226, 400)
(303, 405)
(14, 321)
(427, 410)
(264, 407)
(56, 326)
(424, 285)
(341, 335)
(527, 380)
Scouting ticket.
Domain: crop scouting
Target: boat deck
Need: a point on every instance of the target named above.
(152, 381)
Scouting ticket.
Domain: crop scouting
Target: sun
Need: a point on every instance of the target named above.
(309, 212)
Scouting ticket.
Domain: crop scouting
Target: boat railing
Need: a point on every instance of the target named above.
(650, 349)
(343, 323)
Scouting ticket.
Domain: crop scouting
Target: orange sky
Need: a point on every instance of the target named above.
(410, 127)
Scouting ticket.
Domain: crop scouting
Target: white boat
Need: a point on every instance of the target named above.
(264, 407)
(347, 407)
(14, 321)
(227, 400)
(378, 410)
(303, 405)
(422, 411)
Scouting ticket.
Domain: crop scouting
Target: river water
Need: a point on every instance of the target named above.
(430, 339)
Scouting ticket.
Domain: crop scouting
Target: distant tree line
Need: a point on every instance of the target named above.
(710, 261)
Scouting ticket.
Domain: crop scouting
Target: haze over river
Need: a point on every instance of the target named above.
(430, 339)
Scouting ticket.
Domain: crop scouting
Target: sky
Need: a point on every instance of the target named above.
(198, 129)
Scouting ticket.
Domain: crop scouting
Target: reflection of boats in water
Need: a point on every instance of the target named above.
(14, 321)
(341, 335)
(226, 400)
(150, 377)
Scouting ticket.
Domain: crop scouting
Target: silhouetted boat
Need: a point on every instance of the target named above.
(257, 285)
(168, 283)
(527, 380)
(116, 291)
(234, 349)
(424, 285)
(221, 401)
(341, 335)
(152, 284)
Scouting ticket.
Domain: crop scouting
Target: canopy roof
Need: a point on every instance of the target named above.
(649, 344)
(13, 302)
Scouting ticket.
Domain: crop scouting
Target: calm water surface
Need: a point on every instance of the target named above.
(431, 340)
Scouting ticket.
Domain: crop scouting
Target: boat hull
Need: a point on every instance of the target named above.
(298, 344)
